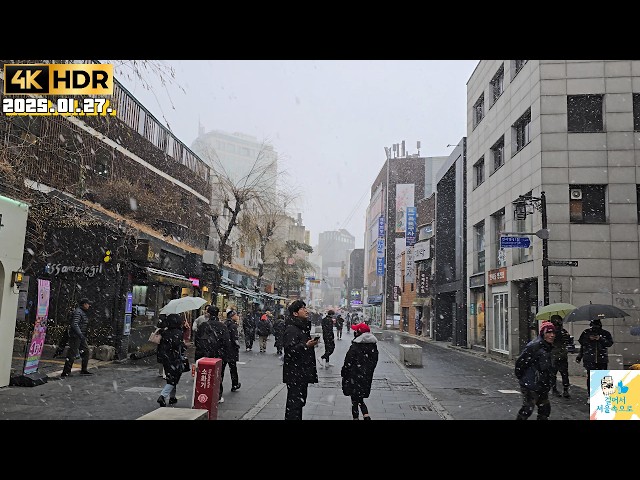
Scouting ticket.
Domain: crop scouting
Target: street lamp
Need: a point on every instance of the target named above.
(524, 205)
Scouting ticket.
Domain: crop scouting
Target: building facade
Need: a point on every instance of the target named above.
(559, 138)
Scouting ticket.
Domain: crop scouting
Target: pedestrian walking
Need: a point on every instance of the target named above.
(212, 340)
(202, 318)
(594, 343)
(171, 353)
(339, 326)
(533, 370)
(357, 371)
(278, 333)
(559, 358)
(78, 339)
(263, 329)
(299, 367)
(249, 328)
(233, 352)
(328, 339)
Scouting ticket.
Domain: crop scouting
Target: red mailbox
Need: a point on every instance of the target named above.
(206, 385)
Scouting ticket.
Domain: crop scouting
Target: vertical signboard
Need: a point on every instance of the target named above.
(410, 235)
(127, 314)
(39, 329)
(380, 248)
(381, 226)
(409, 266)
(404, 199)
(380, 266)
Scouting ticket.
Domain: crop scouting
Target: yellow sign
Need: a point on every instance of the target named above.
(58, 79)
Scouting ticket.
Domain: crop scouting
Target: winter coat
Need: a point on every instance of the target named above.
(264, 327)
(359, 363)
(595, 351)
(339, 323)
(299, 361)
(233, 347)
(249, 326)
(328, 336)
(559, 350)
(79, 323)
(212, 340)
(172, 349)
(533, 366)
(278, 332)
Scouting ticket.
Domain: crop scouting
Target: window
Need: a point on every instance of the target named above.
(516, 66)
(478, 231)
(521, 131)
(478, 111)
(587, 203)
(584, 113)
(478, 172)
(497, 84)
(498, 227)
(636, 112)
(497, 153)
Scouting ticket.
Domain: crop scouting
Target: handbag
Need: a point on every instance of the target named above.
(155, 336)
(185, 364)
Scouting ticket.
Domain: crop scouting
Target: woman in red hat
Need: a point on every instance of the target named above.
(357, 372)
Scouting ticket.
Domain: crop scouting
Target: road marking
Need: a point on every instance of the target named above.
(437, 406)
(264, 401)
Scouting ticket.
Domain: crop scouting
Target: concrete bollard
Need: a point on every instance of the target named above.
(410, 355)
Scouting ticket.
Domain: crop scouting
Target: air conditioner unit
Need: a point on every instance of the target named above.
(575, 194)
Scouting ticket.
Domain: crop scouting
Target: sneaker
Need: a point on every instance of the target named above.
(321, 362)
(86, 372)
(236, 388)
(161, 401)
(221, 400)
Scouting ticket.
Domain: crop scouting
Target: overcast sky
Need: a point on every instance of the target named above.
(328, 120)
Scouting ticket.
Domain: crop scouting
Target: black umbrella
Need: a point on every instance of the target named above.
(594, 311)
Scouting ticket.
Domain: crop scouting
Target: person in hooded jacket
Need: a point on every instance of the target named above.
(263, 329)
(299, 366)
(534, 371)
(328, 338)
(170, 353)
(594, 342)
(339, 326)
(357, 372)
(213, 341)
(249, 329)
(278, 333)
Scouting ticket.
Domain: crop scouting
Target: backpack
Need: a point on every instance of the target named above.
(205, 338)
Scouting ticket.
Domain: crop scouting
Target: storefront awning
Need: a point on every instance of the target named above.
(171, 278)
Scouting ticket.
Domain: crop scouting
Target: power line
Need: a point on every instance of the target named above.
(353, 211)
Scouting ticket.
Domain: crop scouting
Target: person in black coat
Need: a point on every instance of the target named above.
(534, 371)
(299, 366)
(78, 339)
(213, 341)
(560, 357)
(594, 342)
(328, 338)
(357, 372)
(171, 353)
(278, 333)
(233, 351)
(249, 329)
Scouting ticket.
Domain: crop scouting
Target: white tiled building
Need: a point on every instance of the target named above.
(570, 129)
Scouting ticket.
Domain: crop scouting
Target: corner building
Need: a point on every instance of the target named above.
(568, 128)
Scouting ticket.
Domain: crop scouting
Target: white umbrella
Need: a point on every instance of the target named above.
(184, 304)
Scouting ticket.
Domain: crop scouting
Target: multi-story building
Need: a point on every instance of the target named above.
(553, 138)
(403, 180)
(334, 247)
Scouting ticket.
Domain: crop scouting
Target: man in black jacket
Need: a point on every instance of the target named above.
(233, 350)
(533, 370)
(78, 339)
(213, 341)
(299, 367)
(328, 338)
(594, 343)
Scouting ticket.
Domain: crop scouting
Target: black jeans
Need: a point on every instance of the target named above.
(76, 344)
(296, 399)
(358, 403)
(233, 371)
(561, 366)
(530, 400)
(593, 366)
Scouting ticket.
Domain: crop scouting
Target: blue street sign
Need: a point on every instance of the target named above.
(515, 242)
(380, 226)
(380, 266)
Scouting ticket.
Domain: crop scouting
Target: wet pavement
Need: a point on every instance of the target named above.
(452, 384)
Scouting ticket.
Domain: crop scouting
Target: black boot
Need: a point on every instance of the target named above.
(565, 393)
(162, 401)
